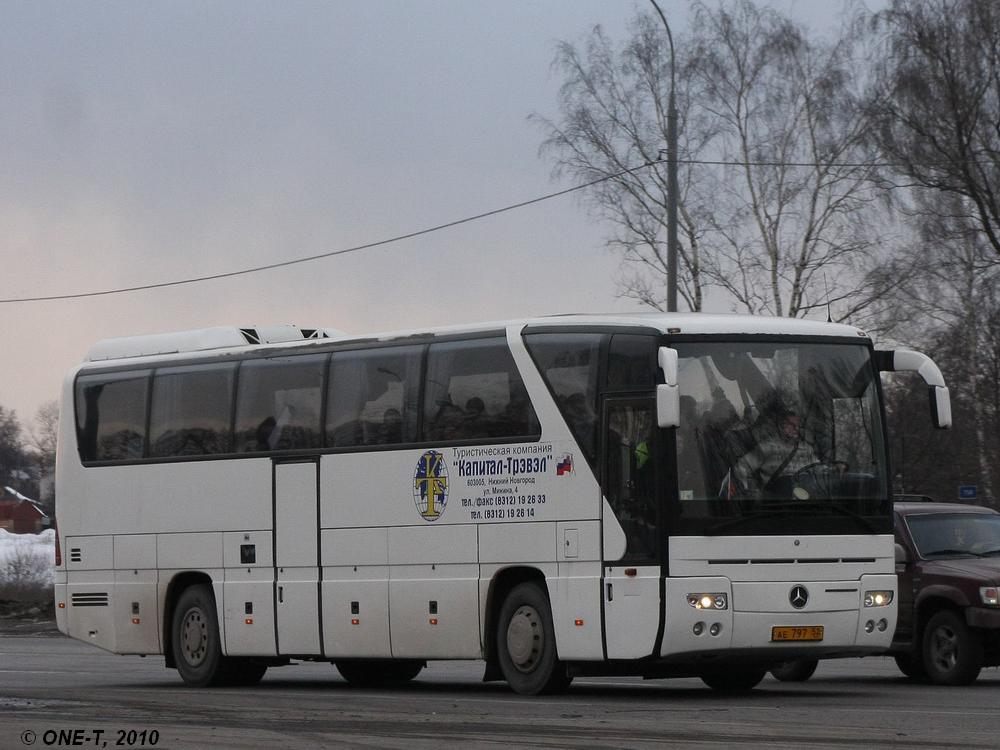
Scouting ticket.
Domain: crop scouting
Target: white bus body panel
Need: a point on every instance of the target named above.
(356, 577)
(434, 592)
(836, 571)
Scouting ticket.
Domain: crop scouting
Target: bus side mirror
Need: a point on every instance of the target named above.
(904, 360)
(668, 403)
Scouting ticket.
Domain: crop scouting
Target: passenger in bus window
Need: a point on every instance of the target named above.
(447, 423)
(264, 431)
(474, 420)
(392, 427)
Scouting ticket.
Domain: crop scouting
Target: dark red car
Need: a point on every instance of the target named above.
(948, 563)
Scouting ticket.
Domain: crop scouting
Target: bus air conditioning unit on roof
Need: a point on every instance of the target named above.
(203, 339)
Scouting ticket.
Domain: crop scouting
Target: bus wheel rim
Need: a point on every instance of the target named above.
(194, 637)
(525, 638)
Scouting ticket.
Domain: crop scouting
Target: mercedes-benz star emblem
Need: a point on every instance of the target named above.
(798, 596)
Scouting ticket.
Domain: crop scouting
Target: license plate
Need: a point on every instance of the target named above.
(803, 633)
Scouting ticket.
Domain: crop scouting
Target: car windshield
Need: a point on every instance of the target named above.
(780, 437)
(955, 534)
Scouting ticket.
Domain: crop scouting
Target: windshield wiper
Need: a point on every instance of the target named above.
(794, 508)
(952, 552)
(850, 514)
(770, 511)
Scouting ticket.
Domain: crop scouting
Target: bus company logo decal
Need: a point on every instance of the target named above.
(430, 485)
(564, 465)
(798, 597)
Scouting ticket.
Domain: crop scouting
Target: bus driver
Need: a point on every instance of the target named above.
(780, 451)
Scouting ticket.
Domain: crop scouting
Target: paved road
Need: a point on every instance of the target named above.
(50, 684)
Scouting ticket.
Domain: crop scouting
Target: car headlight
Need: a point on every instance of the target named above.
(708, 601)
(990, 596)
(878, 598)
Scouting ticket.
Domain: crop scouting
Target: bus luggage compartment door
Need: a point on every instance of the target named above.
(296, 546)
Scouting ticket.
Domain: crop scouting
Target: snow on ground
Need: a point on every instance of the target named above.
(27, 558)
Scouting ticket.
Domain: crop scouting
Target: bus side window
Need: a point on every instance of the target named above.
(631, 362)
(474, 391)
(111, 416)
(278, 404)
(569, 364)
(190, 410)
(373, 397)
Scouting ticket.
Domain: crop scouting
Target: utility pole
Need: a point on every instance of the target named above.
(671, 173)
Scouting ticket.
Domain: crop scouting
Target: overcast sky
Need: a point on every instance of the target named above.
(145, 142)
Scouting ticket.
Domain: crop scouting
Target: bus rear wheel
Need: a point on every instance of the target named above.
(371, 672)
(526, 643)
(195, 638)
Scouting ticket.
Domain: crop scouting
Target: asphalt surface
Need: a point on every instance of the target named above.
(56, 692)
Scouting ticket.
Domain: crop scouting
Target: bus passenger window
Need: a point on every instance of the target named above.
(111, 416)
(569, 364)
(190, 410)
(474, 392)
(373, 397)
(631, 362)
(279, 403)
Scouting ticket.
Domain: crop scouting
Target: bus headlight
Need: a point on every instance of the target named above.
(708, 601)
(878, 598)
(990, 596)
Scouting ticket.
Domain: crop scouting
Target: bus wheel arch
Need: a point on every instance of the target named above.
(175, 588)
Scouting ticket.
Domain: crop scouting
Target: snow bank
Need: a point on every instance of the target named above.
(27, 559)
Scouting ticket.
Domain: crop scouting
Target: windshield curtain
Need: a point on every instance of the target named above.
(780, 438)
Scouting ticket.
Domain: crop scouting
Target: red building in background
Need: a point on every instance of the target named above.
(19, 515)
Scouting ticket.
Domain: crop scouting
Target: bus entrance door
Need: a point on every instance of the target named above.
(631, 484)
(296, 559)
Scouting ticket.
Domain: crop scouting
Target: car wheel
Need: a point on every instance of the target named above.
(798, 670)
(953, 653)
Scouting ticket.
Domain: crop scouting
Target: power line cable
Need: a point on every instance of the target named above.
(437, 228)
(330, 254)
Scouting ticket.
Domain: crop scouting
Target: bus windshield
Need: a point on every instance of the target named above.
(779, 437)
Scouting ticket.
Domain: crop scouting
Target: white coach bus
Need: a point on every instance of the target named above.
(654, 495)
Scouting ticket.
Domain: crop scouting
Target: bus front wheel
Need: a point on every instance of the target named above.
(526, 643)
(735, 679)
(195, 637)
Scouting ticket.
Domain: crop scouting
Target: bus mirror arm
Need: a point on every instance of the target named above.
(668, 409)
(905, 360)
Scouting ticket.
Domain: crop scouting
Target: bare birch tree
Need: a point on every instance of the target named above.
(613, 108)
(792, 229)
(777, 185)
(935, 101)
(953, 305)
